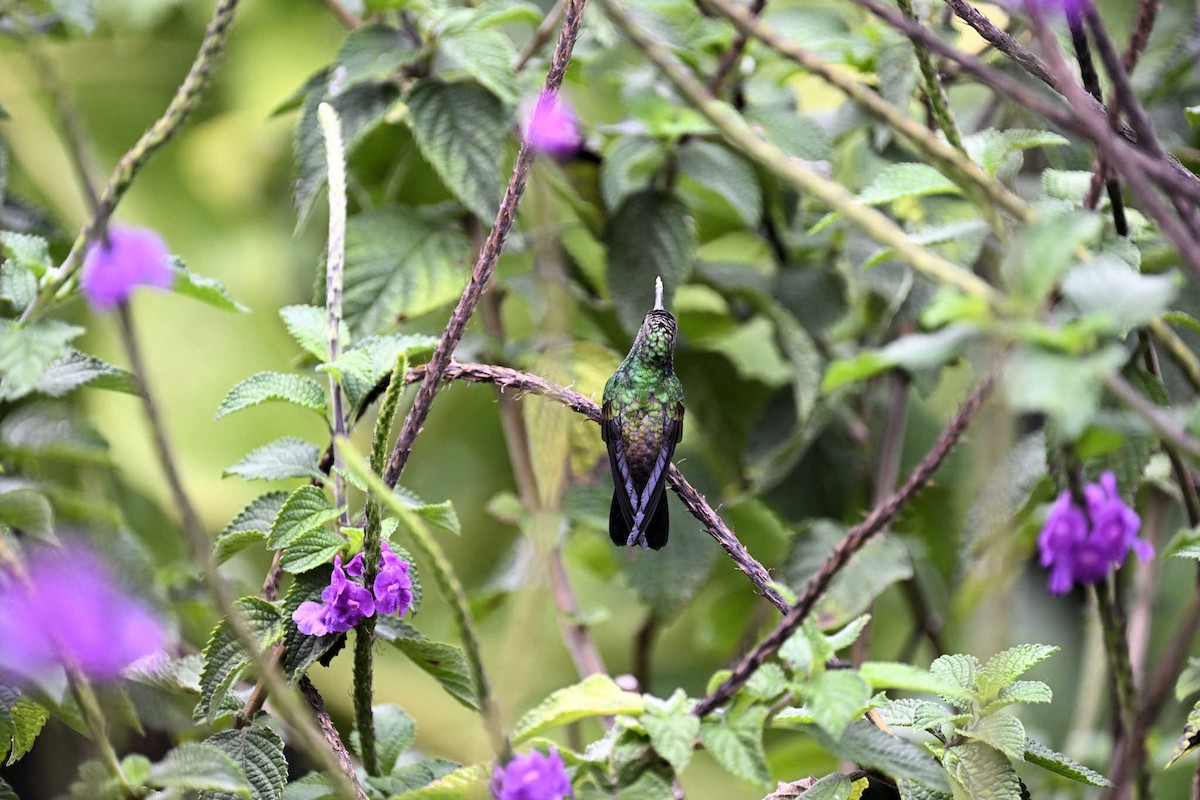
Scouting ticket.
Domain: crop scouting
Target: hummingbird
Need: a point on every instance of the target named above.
(641, 421)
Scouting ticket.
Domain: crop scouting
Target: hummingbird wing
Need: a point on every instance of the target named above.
(654, 506)
(625, 494)
(638, 515)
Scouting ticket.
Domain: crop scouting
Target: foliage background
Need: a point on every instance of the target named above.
(221, 195)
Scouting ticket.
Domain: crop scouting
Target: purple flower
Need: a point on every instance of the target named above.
(533, 776)
(130, 257)
(1078, 553)
(550, 126)
(69, 611)
(393, 588)
(1072, 9)
(345, 604)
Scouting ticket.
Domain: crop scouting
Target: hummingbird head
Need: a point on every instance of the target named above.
(656, 337)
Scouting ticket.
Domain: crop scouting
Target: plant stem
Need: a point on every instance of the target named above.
(186, 98)
(1123, 391)
(93, 715)
(1117, 654)
(934, 90)
(738, 133)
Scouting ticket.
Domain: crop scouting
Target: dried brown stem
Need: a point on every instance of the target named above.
(730, 58)
(854, 541)
(489, 254)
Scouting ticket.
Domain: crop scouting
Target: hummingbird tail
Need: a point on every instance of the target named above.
(653, 534)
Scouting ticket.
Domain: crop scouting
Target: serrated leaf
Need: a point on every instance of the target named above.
(31, 253)
(896, 675)
(983, 772)
(962, 670)
(1108, 286)
(1065, 387)
(932, 716)
(306, 509)
(1005, 667)
(830, 787)
(913, 352)
(301, 650)
(445, 663)
(726, 174)
(409, 777)
(768, 682)
(400, 264)
(175, 674)
(672, 729)
(836, 698)
(464, 782)
(1002, 731)
(75, 369)
(629, 166)
(649, 236)
(193, 766)
(992, 148)
(360, 108)
(310, 550)
(394, 732)
(224, 658)
(1021, 692)
(1046, 249)
(871, 747)
(279, 460)
(6, 791)
(1189, 678)
(1060, 764)
(369, 361)
(373, 53)
(736, 744)
(594, 696)
(309, 326)
(269, 386)
(258, 752)
(460, 129)
(21, 720)
(28, 510)
(207, 290)
(252, 524)
(26, 353)
(487, 56)
(440, 514)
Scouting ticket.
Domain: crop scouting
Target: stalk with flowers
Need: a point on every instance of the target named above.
(932, 268)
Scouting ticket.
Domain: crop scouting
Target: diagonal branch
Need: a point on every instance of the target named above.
(489, 254)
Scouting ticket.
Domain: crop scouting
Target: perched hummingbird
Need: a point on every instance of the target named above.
(641, 422)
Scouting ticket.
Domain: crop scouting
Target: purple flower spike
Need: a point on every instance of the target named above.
(393, 588)
(71, 612)
(533, 776)
(354, 568)
(348, 603)
(1078, 553)
(551, 127)
(311, 618)
(131, 257)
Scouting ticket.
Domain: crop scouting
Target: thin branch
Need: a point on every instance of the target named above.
(833, 195)
(489, 254)
(731, 57)
(878, 520)
(186, 98)
(540, 36)
(935, 92)
(1168, 429)
(1091, 82)
(1001, 40)
(343, 15)
(330, 732)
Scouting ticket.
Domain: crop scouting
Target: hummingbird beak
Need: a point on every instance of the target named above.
(658, 294)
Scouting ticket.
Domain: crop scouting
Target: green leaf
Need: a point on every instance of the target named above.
(629, 166)
(6, 791)
(371, 360)
(1108, 286)
(873, 748)
(1190, 738)
(414, 776)
(736, 744)
(306, 509)
(1005, 667)
(265, 386)
(258, 752)
(487, 56)
(895, 675)
(30, 253)
(26, 353)
(798, 135)
(1046, 249)
(312, 549)
(464, 782)
(400, 263)
(206, 290)
(173, 674)
(648, 236)
(224, 658)
(360, 108)
(301, 650)
(900, 181)
(445, 663)
(830, 787)
(1002, 731)
(1192, 115)
(594, 696)
(281, 459)
(440, 514)
(460, 129)
(309, 326)
(932, 716)
(914, 351)
(1057, 763)
(1021, 692)
(767, 683)
(21, 720)
(75, 369)
(193, 766)
(252, 524)
(28, 510)
(371, 53)
(725, 174)
(982, 772)
(672, 728)
(395, 731)
(836, 698)
(962, 670)
(1065, 387)
(1189, 680)
(991, 148)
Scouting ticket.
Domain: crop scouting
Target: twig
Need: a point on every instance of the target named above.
(1178, 350)
(330, 732)
(488, 255)
(186, 98)
(1091, 82)
(736, 131)
(965, 172)
(1123, 391)
(1001, 40)
(343, 15)
(695, 502)
(879, 518)
(935, 92)
(731, 57)
(81, 155)
(540, 36)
